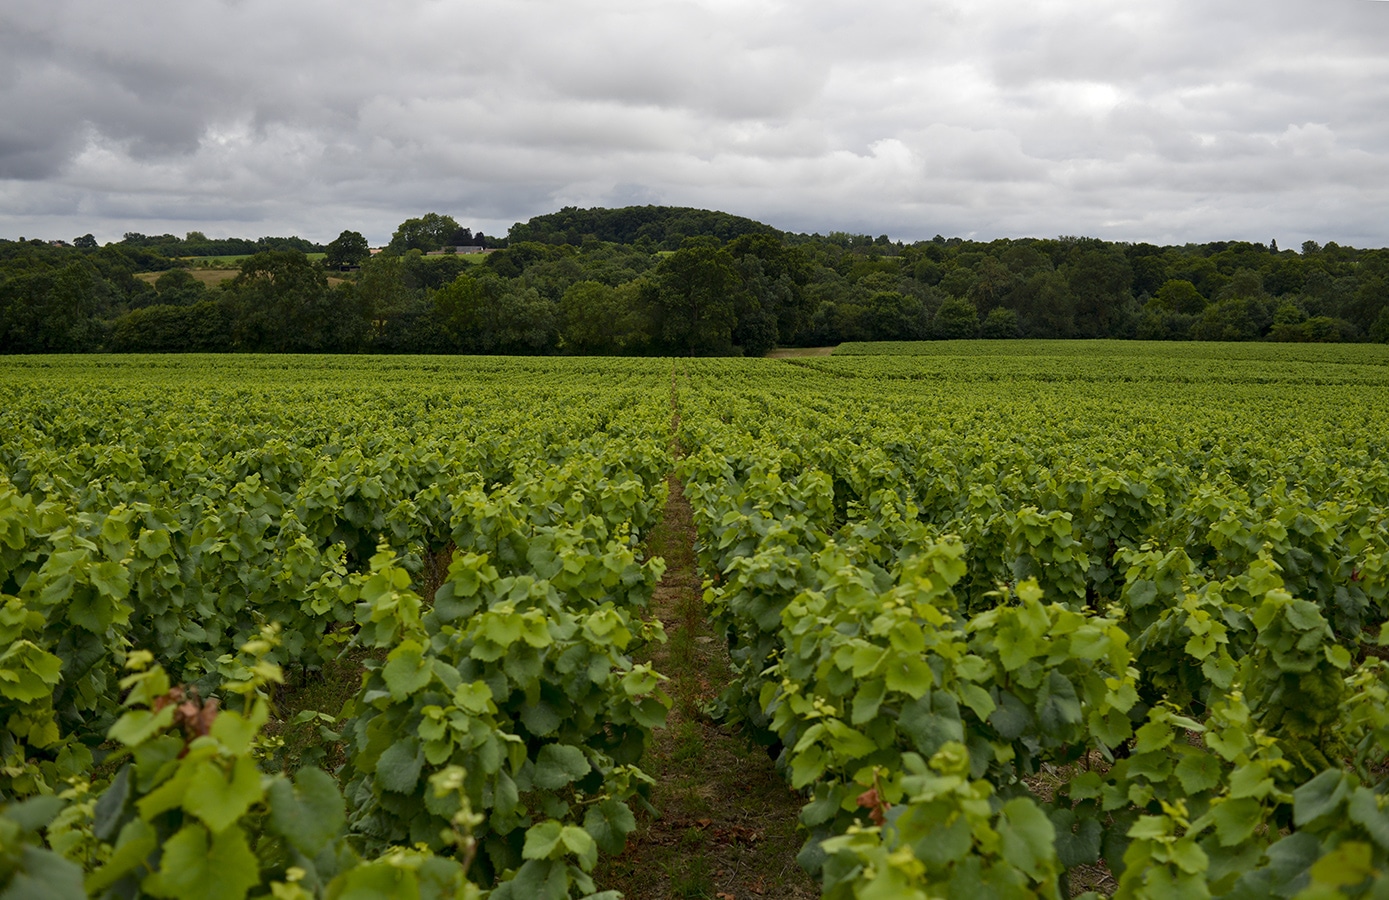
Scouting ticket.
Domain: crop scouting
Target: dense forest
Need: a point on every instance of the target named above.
(647, 280)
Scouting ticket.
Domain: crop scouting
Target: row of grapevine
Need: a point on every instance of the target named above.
(1001, 634)
(131, 536)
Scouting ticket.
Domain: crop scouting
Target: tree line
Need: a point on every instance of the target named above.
(669, 280)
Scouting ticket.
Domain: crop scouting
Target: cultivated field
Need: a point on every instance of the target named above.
(209, 277)
(984, 618)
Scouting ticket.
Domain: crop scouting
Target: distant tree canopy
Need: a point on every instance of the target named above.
(654, 227)
(669, 280)
(348, 249)
(429, 232)
(195, 244)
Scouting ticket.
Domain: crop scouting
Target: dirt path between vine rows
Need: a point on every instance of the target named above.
(795, 352)
(726, 828)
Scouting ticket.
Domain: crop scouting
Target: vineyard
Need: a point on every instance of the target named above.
(1018, 622)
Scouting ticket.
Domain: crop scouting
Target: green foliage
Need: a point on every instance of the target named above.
(956, 319)
(949, 834)
(1179, 296)
(428, 232)
(786, 290)
(281, 303)
(1191, 613)
(1000, 614)
(348, 249)
(190, 814)
(1000, 324)
(695, 302)
(200, 328)
(664, 227)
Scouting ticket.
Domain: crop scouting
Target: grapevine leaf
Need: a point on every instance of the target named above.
(579, 842)
(156, 759)
(1321, 796)
(609, 823)
(1077, 838)
(111, 805)
(558, 764)
(1189, 857)
(541, 719)
(649, 712)
(154, 544)
(139, 725)
(235, 731)
(1337, 655)
(1251, 780)
(136, 841)
(535, 632)
(1365, 812)
(1198, 772)
(501, 628)
(542, 840)
(407, 671)
(111, 579)
(1153, 736)
(867, 700)
(505, 797)
(1346, 866)
(44, 875)
(1150, 828)
(34, 813)
(1012, 718)
(399, 767)
(931, 724)
(977, 699)
(219, 801)
(806, 766)
(474, 698)
(909, 675)
(1058, 706)
(1220, 669)
(28, 673)
(537, 879)
(943, 845)
(310, 813)
(1028, 839)
(190, 869)
(1235, 820)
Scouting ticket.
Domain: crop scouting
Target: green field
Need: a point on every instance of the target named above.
(1272, 354)
(232, 260)
(209, 277)
(1021, 619)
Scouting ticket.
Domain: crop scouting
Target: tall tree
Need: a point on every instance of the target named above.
(348, 249)
(55, 309)
(282, 303)
(775, 275)
(1179, 296)
(956, 319)
(599, 319)
(695, 300)
(1100, 279)
(430, 231)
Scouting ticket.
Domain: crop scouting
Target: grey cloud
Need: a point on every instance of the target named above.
(1176, 121)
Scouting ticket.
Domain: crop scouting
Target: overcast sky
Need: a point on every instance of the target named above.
(1166, 120)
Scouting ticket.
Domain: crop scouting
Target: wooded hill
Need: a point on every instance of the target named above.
(671, 280)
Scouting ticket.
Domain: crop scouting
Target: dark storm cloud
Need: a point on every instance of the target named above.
(1169, 122)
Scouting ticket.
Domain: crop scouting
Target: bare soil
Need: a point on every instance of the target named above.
(794, 352)
(726, 828)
